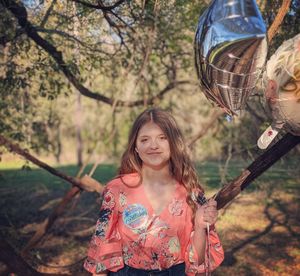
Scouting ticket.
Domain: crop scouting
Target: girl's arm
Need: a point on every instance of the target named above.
(201, 257)
(105, 250)
(206, 214)
(199, 242)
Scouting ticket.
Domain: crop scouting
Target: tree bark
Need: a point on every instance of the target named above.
(260, 165)
(78, 105)
(278, 19)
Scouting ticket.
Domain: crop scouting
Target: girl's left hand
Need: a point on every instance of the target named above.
(210, 212)
(206, 213)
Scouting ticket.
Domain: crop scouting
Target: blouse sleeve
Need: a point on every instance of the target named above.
(214, 254)
(105, 249)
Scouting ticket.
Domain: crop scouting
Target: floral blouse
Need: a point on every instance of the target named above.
(129, 232)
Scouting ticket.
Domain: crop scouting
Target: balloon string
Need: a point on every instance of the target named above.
(207, 271)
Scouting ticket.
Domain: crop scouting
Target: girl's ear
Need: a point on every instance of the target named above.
(136, 150)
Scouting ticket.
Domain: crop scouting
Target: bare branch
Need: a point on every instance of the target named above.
(278, 19)
(44, 21)
(44, 227)
(16, 148)
(99, 6)
(85, 183)
(70, 37)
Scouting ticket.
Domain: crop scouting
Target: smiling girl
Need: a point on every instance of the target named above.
(150, 222)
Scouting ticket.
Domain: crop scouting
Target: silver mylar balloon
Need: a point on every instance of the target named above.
(230, 51)
(282, 90)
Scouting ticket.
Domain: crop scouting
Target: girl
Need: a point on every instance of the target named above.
(150, 222)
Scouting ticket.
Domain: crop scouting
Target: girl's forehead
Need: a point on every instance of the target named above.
(150, 128)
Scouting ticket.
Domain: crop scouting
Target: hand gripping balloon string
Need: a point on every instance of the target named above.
(201, 199)
(207, 272)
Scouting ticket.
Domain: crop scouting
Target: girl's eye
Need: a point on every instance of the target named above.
(163, 137)
(144, 140)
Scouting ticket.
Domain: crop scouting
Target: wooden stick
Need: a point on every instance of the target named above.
(260, 165)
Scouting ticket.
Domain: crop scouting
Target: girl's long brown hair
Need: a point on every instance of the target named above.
(181, 166)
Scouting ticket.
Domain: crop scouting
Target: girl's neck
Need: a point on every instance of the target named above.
(152, 176)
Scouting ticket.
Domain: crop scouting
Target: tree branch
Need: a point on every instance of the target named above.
(44, 227)
(44, 21)
(75, 182)
(20, 13)
(99, 6)
(16, 263)
(69, 37)
(278, 19)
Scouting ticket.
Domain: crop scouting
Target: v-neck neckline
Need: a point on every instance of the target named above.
(153, 213)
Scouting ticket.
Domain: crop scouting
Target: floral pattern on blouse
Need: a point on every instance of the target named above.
(122, 199)
(102, 223)
(176, 207)
(129, 232)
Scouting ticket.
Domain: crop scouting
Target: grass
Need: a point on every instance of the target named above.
(259, 230)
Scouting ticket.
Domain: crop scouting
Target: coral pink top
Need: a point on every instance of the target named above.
(129, 232)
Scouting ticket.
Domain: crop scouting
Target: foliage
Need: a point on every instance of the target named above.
(135, 53)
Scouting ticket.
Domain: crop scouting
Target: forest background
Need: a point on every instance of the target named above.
(74, 75)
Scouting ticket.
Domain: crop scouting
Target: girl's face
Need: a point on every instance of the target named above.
(153, 146)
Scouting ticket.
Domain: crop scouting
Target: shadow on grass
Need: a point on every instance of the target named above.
(274, 242)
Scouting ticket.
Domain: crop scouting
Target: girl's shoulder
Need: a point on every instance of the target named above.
(124, 181)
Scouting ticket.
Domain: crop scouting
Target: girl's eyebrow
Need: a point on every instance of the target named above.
(161, 134)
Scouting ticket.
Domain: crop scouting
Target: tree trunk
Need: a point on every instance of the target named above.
(78, 107)
(78, 124)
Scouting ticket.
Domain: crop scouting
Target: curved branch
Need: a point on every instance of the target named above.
(74, 181)
(99, 6)
(69, 37)
(20, 13)
(278, 19)
(47, 14)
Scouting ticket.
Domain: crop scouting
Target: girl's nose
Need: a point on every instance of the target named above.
(154, 144)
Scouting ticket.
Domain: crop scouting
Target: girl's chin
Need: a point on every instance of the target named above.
(156, 165)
